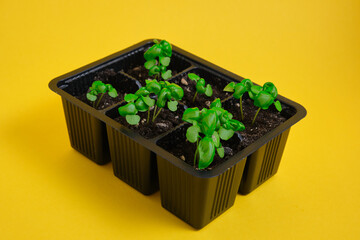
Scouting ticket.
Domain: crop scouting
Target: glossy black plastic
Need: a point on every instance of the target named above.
(134, 156)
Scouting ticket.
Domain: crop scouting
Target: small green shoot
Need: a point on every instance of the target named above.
(263, 97)
(200, 86)
(168, 94)
(209, 126)
(98, 87)
(238, 90)
(158, 59)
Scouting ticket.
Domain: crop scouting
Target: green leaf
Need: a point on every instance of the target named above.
(141, 105)
(216, 103)
(165, 61)
(225, 134)
(208, 123)
(99, 86)
(163, 97)
(206, 152)
(192, 133)
(166, 48)
(236, 125)
(148, 101)
(91, 97)
(216, 139)
(133, 119)
(263, 100)
(191, 115)
(130, 97)
(152, 52)
(193, 77)
(208, 90)
(109, 87)
(154, 70)
(200, 86)
(278, 106)
(176, 91)
(128, 109)
(239, 90)
(149, 64)
(230, 87)
(113, 93)
(172, 105)
(156, 41)
(142, 92)
(247, 83)
(270, 88)
(166, 75)
(254, 90)
(97, 83)
(153, 86)
(220, 151)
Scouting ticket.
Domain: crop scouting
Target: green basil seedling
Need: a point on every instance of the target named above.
(138, 102)
(264, 96)
(209, 126)
(158, 59)
(200, 86)
(238, 90)
(98, 87)
(168, 94)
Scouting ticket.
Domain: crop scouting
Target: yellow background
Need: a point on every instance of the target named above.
(309, 48)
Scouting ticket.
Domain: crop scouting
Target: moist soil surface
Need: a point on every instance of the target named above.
(164, 122)
(267, 120)
(201, 100)
(140, 73)
(118, 81)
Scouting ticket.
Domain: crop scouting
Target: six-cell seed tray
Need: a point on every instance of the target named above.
(148, 160)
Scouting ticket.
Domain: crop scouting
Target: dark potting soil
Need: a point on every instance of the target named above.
(267, 120)
(201, 100)
(118, 81)
(140, 73)
(164, 122)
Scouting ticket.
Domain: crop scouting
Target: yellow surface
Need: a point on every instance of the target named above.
(310, 49)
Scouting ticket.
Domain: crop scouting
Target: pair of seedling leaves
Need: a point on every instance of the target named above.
(167, 94)
(158, 59)
(200, 85)
(98, 87)
(263, 96)
(209, 126)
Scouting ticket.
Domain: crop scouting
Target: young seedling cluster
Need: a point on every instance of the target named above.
(166, 94)
(238, 90)
(263, 96)
(158, 59)
(200, 86)
(98, 87)
(208, 127)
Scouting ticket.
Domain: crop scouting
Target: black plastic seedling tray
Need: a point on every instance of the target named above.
(195, 196)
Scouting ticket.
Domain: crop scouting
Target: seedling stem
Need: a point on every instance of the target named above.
(255, 116)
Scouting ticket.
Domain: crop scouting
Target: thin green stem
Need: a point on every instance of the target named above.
(157, 114)
(195, 96)
(148, 117)
(99, 100)
(255, 116)
(197, 149)
(241, 109)
(154, 113)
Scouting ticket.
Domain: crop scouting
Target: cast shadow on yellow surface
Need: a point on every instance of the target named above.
(37, 138)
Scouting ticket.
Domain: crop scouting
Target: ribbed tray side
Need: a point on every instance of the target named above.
(87, 134)
(263, 163)
(133, 163)
(197, 201)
